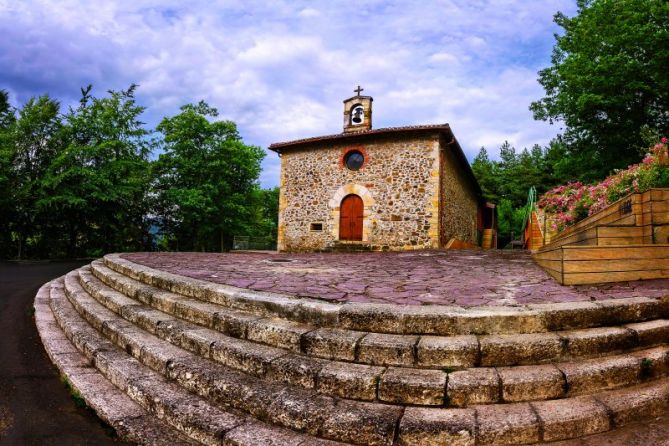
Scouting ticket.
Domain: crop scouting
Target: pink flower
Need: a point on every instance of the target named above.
(664, 140)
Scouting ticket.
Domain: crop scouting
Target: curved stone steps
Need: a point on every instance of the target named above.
(191, 414)
(276, 403)
(407, 319)
(392, 385)
(518, 423)
(114, 407)
(383, 318)
(529, 423)
(357, 422)
(392, 350)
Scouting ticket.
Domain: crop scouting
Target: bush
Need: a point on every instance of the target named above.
(571, 203)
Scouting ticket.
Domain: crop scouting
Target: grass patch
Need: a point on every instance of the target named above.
(646, 366)
(81, 404)
(74, 394)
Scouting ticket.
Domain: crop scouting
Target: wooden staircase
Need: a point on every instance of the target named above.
(166, 359)
(628, 240)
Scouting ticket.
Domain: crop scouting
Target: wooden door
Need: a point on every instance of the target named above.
(350, 218)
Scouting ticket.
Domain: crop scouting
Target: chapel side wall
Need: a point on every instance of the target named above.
(280, 236)
(399, 184)
(459, 201)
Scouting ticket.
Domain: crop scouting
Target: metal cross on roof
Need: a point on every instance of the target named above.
(358, 90)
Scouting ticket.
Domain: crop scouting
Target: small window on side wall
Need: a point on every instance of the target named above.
(317, 227)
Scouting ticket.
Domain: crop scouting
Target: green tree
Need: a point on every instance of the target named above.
(7, 118)
(507, 181)
(270, 209)
(31, 142)
(557, 167)
(6, 111)
(513, 186)
(203, 181)
(487, 174)
(511, 177)
(608, 82)
(95, 190)
(263, 209)
(510, 220)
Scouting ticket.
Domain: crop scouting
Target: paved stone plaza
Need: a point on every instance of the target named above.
(464, 278)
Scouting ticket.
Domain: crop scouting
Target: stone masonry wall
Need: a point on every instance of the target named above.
(399, 185)
(459, 203)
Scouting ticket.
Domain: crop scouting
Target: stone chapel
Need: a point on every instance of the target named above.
(390, 189)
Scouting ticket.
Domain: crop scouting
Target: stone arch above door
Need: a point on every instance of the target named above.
(335, 202)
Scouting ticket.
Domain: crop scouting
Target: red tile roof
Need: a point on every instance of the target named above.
(388, 130)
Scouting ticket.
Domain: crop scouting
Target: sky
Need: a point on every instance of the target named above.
(281, 69)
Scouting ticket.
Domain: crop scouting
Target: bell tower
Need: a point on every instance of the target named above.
(358, 112)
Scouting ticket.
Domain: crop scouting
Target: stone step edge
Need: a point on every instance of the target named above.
(373, 424)
(535, 422)
(522, 423)
(105, 358)
(405, 386)
(407, 319)
(418, 351)
(208, 424)
(129, 420)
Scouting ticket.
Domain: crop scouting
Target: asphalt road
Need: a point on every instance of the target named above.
(35, 407)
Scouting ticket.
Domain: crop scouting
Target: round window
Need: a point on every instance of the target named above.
(354, 160)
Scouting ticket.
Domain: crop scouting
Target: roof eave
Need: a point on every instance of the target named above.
(441, 128)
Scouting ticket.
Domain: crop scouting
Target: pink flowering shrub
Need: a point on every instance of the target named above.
(570, 203)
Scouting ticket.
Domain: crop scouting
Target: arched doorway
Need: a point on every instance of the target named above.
(350, 218)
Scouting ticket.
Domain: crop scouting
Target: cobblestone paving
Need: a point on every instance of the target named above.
(466, 278)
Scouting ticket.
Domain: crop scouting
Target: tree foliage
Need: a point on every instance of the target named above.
(6, 174)
(32, 141)
(94, 190)
(608, 83)
(82, 183)
(507, 182)
(203, 179)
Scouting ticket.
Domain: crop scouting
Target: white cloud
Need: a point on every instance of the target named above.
(270, 50)
(309, 13)
(281, 69)
(443, 57)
